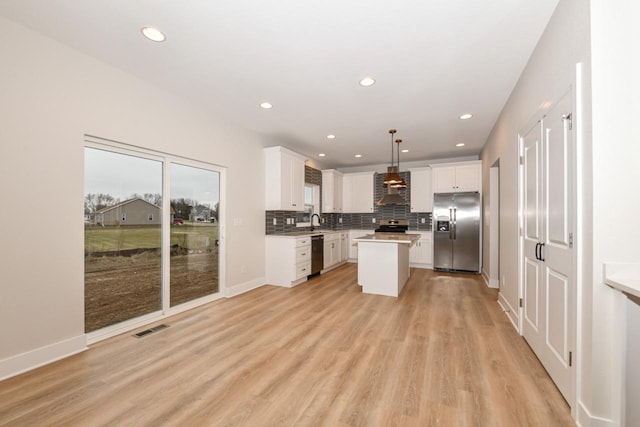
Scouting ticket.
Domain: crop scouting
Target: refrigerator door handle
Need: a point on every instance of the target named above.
(454, 223)
(451, 235)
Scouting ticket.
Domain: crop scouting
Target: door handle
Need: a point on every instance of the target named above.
(537, 247)
(541, 248)
(455, 219)
(451, 224)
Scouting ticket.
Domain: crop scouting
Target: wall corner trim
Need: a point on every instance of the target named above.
(509, 311)
(585, 419)
(241, 288)
(29, 360)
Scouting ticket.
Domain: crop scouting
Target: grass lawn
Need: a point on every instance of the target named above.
(107, 239)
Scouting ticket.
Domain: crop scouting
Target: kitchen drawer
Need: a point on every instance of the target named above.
(303, 254)
(303, 269)
(303, 241)
(331, 237)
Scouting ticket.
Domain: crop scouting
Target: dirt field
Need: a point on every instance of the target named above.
(119, 288)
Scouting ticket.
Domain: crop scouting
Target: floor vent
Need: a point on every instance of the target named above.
(150, 331)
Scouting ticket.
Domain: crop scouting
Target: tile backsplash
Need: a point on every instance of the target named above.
(344, 221)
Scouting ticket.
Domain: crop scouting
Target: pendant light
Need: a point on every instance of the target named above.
(392, 177)
(402, 183)
(392, 180)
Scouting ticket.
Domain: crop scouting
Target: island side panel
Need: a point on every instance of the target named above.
(383, 268)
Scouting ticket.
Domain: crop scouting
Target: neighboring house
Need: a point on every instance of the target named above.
(130, 212)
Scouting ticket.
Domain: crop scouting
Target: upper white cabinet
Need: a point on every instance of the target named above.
(331, 191)
(421, 194)
(457, 177)
(357, 192)
(284, 179)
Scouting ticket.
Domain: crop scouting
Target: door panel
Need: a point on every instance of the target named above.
(557, 169)
(532, 152)
(466, 243)
(548, 275)
(531, 293)
(557, 309)
(442, 243)
(558, 253)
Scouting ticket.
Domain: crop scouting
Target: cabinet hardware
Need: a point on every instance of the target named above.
(520, 302)
(570, 240)
(570, 358)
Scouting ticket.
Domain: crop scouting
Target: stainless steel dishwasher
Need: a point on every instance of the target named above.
(317, 254)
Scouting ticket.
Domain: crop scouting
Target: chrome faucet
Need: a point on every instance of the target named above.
(315, 214)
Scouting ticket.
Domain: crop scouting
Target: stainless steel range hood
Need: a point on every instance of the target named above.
(392, 197)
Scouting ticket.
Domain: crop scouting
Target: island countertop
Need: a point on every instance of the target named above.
(409, 239)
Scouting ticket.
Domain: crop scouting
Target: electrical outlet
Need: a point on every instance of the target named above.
(423, 220)
(340, 220)
(275, 221)
(373, 220)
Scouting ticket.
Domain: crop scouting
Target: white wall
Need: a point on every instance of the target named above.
(548, 74)
(51, 96)
(603, 36)
(616, 174)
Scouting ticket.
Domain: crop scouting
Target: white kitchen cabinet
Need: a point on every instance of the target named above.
(456, 177)
(344, 246)
(357, 192)
(331, 191)
(284, 179)
(353, 247)
(421, 194)
(331, 250)
(288, 260)
(421, 254)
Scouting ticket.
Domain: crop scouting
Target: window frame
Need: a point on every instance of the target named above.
(91, 141)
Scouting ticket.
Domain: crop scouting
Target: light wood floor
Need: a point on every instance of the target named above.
(322, 353)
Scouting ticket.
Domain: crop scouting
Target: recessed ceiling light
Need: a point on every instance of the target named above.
(367, 81)
(321, 154)
(357, 156)
(153, 34)
(266, 105)
(460, 144)
(331, 136)
(466, 116)
(405, 151)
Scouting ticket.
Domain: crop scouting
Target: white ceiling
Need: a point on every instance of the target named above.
(433, 60)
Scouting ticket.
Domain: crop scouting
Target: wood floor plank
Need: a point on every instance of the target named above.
(320, 354)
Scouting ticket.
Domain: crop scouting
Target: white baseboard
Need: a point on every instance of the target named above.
(491, 283)
(241, 288)
(20, 363)
(511, 313)
(585, 419)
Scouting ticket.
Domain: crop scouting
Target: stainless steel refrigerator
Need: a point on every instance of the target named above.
(456, 231)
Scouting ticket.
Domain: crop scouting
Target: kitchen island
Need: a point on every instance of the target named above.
(383, 262)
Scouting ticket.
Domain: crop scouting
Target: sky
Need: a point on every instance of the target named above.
(122, 175)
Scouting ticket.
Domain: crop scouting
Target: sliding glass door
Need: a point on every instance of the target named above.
(195, 202)
(122, 235)
(130, 226)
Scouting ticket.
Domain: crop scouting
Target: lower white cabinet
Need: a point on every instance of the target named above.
(288, 260)
(344, 246)
(353, 247)
(421, 254)
(331, 250)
